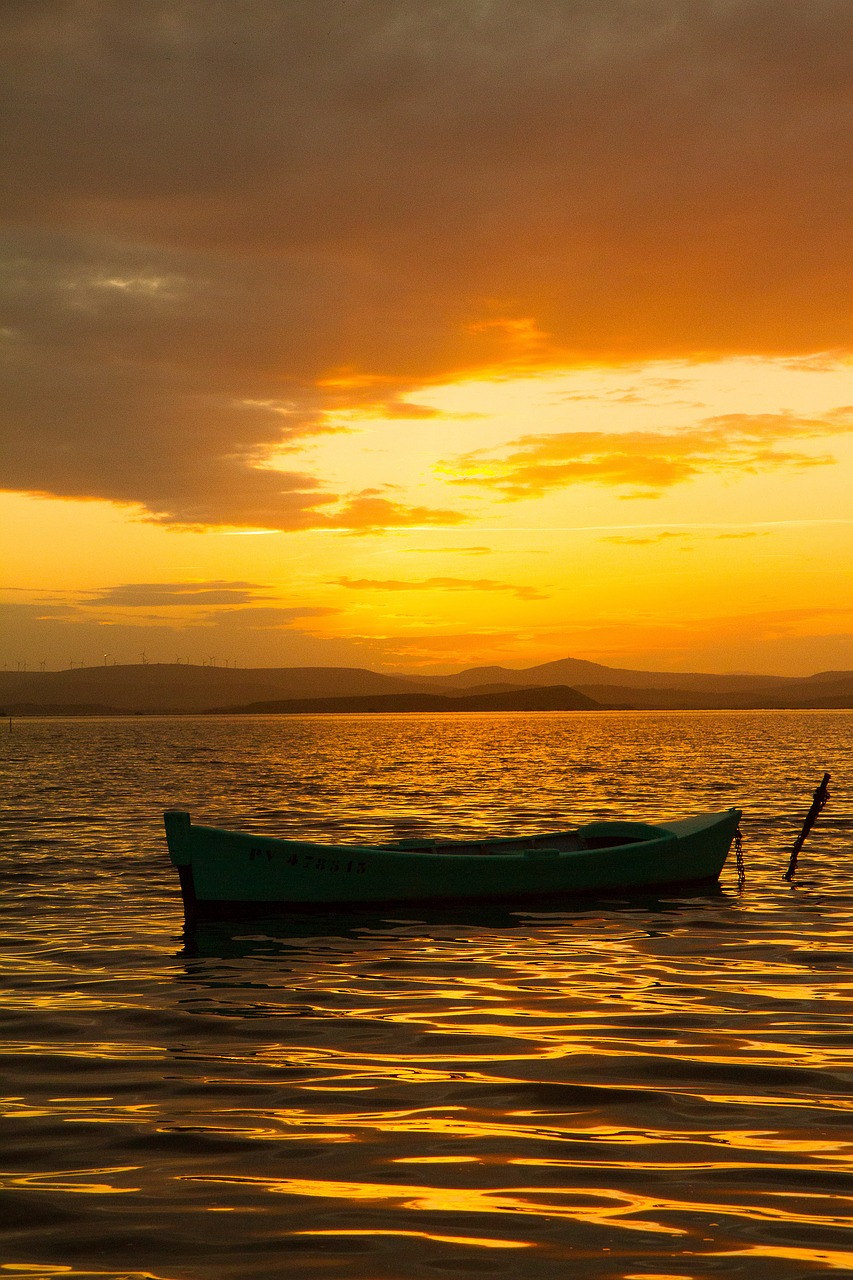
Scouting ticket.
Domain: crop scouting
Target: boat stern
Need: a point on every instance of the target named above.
(178, 826)
(178, 838)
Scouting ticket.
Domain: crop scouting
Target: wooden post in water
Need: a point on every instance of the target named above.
(819, 799)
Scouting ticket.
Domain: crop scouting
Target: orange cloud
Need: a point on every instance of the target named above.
(745, 533)
(667, 643)
(367, 513)
(459, 551)
(645, 540)
(637, 540)
(648, 461)
(439, 584)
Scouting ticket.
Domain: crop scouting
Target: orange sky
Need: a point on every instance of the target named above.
(411, 334)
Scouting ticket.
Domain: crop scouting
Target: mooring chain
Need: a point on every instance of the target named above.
(741, 870)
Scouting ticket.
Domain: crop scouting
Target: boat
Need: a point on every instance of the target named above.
(232, 873)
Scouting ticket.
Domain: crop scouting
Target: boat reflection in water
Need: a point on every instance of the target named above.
(285, 931)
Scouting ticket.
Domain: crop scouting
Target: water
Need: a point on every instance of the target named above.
(634, 1088)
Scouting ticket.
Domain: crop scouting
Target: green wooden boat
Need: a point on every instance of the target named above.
(227, 873)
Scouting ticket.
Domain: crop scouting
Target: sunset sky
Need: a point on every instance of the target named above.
(423, 334)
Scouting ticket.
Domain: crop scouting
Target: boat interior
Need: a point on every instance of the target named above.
(556, 842)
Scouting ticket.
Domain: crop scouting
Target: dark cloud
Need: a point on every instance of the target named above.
(224, 221)
(148, 595)
(213, 602)
(235, 607)
(269, 635)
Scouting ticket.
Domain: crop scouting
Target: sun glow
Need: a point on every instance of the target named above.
(650, 514)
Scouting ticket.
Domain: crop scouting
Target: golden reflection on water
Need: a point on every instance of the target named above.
(835, 1259)
(476, 1242)
(657, 1089)
(70, 1180)
(517, 1201)
(803, 1102)
(45, 1269)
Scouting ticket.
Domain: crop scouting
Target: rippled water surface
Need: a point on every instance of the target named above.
(632, 1088)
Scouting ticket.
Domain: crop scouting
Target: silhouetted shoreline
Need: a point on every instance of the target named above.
(569, 684)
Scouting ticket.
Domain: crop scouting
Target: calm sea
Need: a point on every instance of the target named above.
(647, 1088)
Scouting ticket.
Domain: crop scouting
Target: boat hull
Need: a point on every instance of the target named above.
(225, 873)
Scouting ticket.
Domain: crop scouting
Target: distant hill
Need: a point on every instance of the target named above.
(793, 697)
(175, 687)
(57, 709)
(556, 698)
(683, 690)
(580, 673)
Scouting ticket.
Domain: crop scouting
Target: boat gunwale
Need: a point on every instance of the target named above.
(498, 846)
